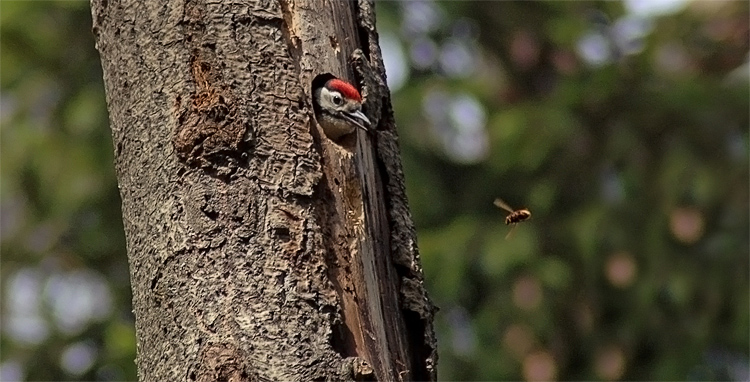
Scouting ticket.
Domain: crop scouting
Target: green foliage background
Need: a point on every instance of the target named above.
(635, 167)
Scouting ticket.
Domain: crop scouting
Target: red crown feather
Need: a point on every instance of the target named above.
(344, 88)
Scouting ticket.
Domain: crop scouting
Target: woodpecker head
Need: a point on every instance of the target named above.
(338, 108)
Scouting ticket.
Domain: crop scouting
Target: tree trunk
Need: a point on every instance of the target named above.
(259, 249)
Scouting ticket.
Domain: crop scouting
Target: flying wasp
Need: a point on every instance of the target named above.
(514, 217)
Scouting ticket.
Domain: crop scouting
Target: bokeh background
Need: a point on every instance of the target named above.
(622, 126)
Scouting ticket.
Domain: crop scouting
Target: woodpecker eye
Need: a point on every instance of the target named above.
(337, 100)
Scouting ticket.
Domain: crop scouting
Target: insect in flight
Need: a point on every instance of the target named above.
(514, 216)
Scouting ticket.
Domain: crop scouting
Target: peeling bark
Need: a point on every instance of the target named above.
(259, 250)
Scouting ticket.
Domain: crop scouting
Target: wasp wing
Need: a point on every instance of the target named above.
(510, 233)
(501, 204)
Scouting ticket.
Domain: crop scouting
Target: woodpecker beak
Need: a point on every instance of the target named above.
(358, 119)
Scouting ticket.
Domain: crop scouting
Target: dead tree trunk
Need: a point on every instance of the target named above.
(259, 249)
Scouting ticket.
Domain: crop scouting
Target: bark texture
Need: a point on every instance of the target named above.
(259, 250)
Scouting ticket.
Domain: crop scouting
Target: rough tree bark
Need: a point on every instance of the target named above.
(259, 249)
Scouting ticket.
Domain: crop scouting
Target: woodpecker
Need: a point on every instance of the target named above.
(338, 108)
